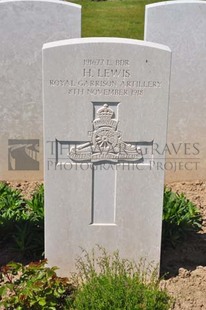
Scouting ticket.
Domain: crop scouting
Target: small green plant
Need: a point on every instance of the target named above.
(108, 282)
(33, 287)
(12, 205)
(22, 221)
(12, 209)
(28, 239)
(36, 204)
(180, 217)
(29, 233)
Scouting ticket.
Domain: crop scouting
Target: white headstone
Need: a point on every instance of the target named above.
(24, 27)
(105, 103)
(182, 26)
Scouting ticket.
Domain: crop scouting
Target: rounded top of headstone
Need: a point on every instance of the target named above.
(105, 40)
(175, 2)
(59, 2)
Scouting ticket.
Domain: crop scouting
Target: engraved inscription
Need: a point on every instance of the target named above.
(106, 77)
(106, 142)
(109, 73)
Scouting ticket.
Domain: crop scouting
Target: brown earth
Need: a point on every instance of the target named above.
(186, 264)
(183, 267)
(27, 188)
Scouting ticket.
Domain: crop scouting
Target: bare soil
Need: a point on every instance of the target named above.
(183, 267)
(26, 188)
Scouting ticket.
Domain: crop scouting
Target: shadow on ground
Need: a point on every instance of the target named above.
(188, 255)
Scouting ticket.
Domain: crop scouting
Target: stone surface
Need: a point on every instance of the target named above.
(181, 25)
(24, 27)
(105, 104)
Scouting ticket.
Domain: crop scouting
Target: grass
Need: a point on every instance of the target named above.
(114, 18)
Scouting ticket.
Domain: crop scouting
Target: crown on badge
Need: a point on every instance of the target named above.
(104, 119)
(105, 111)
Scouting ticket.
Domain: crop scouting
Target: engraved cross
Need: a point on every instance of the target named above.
(105, 151)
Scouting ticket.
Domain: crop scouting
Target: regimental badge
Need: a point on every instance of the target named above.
(106, 143)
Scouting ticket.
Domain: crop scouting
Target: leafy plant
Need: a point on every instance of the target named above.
(33, 287)
(12, 209)
(28, 239)
(180, 217)
(36, 204)
(12, 205)
(29, 234)
(108, 282)
(22, 221)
